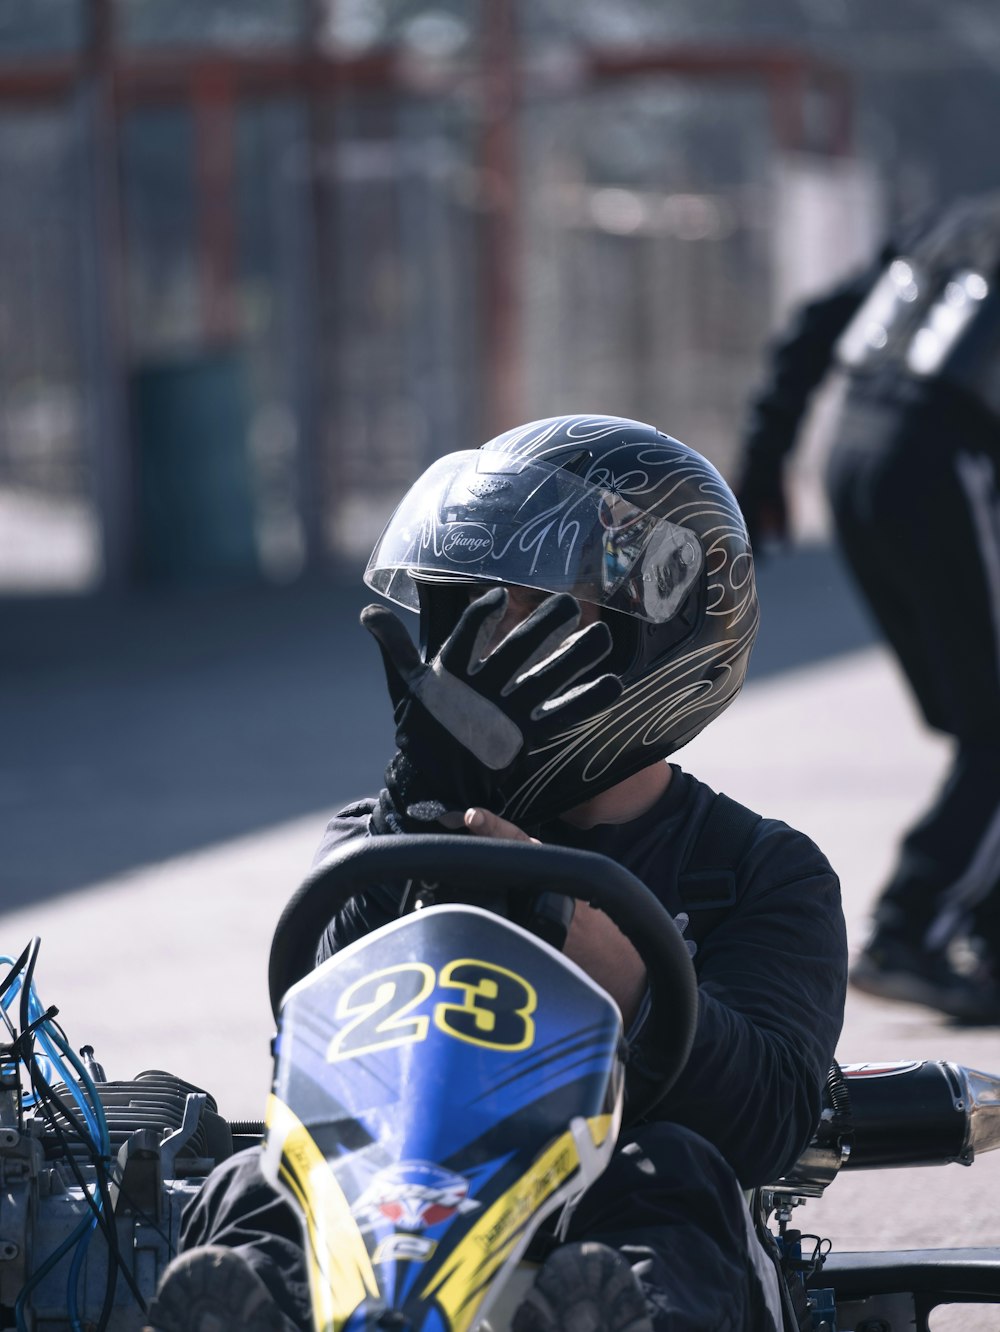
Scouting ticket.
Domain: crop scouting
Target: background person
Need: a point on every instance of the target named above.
(912, 485)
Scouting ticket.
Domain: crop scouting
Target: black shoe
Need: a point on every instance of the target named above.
(213, 1289)
(893, 968)
(585, 1287)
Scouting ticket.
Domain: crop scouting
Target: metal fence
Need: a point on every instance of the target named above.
(339, 250)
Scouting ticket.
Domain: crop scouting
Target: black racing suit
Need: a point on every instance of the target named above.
(914, 491)
(770, 958)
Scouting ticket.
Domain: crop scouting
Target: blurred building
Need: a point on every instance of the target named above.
(261, 260)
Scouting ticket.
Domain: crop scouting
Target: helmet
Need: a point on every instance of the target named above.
(618, 514)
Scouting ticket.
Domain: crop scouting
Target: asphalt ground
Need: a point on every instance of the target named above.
(167, 766)
(135, 731)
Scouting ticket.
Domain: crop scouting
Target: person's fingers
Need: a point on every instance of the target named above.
(576, 705)
(400, 657)
(534, 640)
(580, 653)
(395, 643)
(484, 823)
(468, 641)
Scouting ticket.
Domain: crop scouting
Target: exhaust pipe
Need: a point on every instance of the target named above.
(920, 1113)
(914, 1113)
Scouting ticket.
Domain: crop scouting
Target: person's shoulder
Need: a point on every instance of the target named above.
(788, 850)
(767, 844)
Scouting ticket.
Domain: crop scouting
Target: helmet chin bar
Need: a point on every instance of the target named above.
(441, 604)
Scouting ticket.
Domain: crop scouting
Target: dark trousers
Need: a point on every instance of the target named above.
(668, 1201)
(914, 494)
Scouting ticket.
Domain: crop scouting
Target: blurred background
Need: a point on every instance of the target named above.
(261, 261)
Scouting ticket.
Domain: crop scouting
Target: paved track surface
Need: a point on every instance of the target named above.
(167, 768)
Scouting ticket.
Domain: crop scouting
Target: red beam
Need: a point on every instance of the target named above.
(179, 73)
(152, 74)
(173, 72)
(45, 82)
(169, 74)
(697, 60)
(786, 74)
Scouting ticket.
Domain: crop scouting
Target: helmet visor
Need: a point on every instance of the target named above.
(482, 517)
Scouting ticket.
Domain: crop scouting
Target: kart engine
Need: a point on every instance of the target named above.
(94, 1174)
(164, 1135)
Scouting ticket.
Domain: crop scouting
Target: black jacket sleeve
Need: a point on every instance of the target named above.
(799, 360)
(772, 979)
(367, 911)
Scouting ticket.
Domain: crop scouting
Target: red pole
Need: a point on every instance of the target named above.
(316, 293)
(501, 251)
(113, 471)
(216, 183)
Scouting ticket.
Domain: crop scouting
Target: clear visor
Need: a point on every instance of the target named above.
(482, 517)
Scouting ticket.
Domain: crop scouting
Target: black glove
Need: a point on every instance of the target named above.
(760, 493)
(464, 719)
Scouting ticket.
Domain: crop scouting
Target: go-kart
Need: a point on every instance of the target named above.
(444, 1090)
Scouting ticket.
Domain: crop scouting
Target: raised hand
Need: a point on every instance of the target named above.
(464, 719)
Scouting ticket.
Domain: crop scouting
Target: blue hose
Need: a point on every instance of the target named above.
(46, 1267)
(104, 1143)
(57, 1059)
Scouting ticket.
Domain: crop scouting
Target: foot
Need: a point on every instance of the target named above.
(213, 1289)
(585, 1287)
(893, 968)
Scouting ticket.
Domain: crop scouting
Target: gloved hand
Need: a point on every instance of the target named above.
(760, 493)
(464, 719)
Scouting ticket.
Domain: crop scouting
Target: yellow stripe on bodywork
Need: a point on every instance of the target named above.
(341, 1275)
(600, 1127)
(460, 1281)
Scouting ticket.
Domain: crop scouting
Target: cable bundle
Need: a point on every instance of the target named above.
(61, 1091)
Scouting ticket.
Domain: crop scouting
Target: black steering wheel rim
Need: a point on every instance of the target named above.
(486, 865)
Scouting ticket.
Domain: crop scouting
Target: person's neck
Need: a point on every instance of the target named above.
(624, 802)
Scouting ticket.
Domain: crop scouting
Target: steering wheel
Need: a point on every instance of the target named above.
(483, 867)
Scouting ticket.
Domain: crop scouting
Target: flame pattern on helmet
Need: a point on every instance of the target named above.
(670, 703)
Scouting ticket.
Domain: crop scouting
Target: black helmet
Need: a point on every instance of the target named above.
(618, 514)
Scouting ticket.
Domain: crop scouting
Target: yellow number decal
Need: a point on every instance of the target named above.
(496, 1009)
(377, 1006)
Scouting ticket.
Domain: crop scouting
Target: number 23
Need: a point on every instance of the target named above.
(494, 1011)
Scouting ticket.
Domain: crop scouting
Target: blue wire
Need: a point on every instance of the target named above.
(73, 1279)
(28, 1096)
(44, 1270)
(48, 1036)
(94, 1112)
(45, 1040)
(53, 1067)
(104, 1144)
